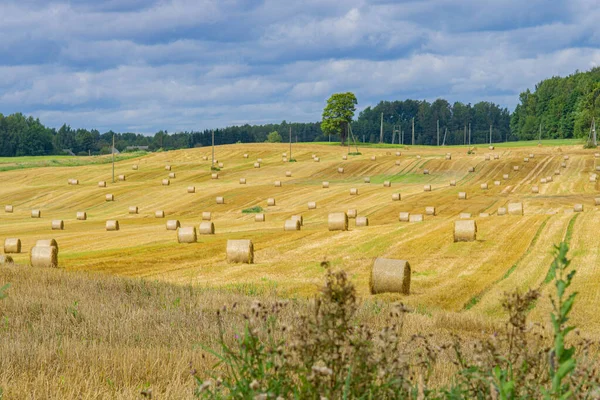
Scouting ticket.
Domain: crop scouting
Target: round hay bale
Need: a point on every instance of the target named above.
(516, 168)
(362, 221)
(187, 235)
(593, 178)
(597, 201)
(159, 214)
(597, 155)
(387, 184)
(312, 205)
(277, 184)
(191, 189)
(397, 162)
(220, 200)
(543, 180)
(102, 184)
(245, 155)
(242, 181)
(373, 158)
(205, 158)
(122, 178)
(453, 182)
(344, 157)
(214, 175)
(497, 183)
(81, 215)
(462, 195)
(47, 243)
(317, 159)
(112, 225)
(353, 191)
(166, 182)
(496, 156)
(396, 197)
(418, 157)
(325, 185)
(597, 168)
(206, 228)
(430, 210)
(256, 165)
(221, 165)
(566, 157)
(12, 245)
(549, 179)
(471, 169)
(44, 257)
(283, 154)
(58, 225)
(288, 174)
(484, 186)
(526, 159)
(352, 213)
(465, 230)
(133, 210)
(484, 215)
(425, 172)
(487, 157)
(259, 160)
(502, 211)
(8, 209)
(515, 208)
(340, 170)
(134, 167)
(367, 179)
(398, 154)
(578, 208)
(74, 181)
(6, 260)
(448, 156)
(173, 225)
(564, 165)
(240, 251)
(36, 214)
(464, 215)
(404, 217)
(415, 218)
(270, 202)
(206, 216)
(535, 189)
(298, 218)
(291, 225)
(531, 155)
(427, 188)
(390, 276)
(172, 175)
(167, 167)
(491, 147)
(259, 218)
(337, 221)
(505, 176)
(284, 159)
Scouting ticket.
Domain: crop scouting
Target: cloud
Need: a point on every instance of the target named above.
(133, 65)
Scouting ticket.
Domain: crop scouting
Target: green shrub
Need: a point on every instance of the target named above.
(251, 210)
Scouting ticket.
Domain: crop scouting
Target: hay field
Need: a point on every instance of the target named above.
(510, 251)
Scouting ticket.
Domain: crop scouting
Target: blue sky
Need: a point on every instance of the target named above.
(142, 65)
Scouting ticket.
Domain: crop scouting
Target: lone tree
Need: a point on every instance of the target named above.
(338, 113)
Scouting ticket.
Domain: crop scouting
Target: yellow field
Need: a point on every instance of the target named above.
(511, 251)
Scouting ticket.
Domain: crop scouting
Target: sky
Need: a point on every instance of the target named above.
(143, 65)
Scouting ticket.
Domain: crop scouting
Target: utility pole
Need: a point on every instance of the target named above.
(465, 139)
(291, 142)
(594, 131)
(438, 132)
(381, 130)
(113, 157)
(413, 131)
(540, 134)
(213, 149)
(363, 138)
(445, 133)
(469, 134)
(490, 134)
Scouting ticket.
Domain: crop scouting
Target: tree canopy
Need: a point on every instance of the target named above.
(338, 114)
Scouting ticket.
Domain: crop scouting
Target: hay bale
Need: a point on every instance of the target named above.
(563, 165)
(531, 155)
(206, 216)
(557, 172)
(397, 162)
(415, 218)
(387, 184)
(256, 165)
(259, 218)
(12, 245)
(462, 195)
(134, 167)
(74, 181)
(396, 197)
(245, 155)
(167, 167)
(58, 225)
(344, 158)
(47, 243)
(221, 165)
(497, 183)
(535, 189)
(464, 215)
(81, 215)
(465, 230)
(122, 178)
(291, 225)
(471, 169)
(502, 211)
(206, 228)
(36, 214)
(515, 208)
(6, 260)
(398, 154)
(214, 175)
(484, 215)
(430, 210)
(549, 179)
(597, 167)
(102, 184)
(112, 225)
(362, 221)
(283, 154)
(404, 216)
(242, 181)
(427, 188)
(526, 159)
(205, 158)
(578, 208)
(240, 251)
(298, 218)
(484, 186)
(270, 202)
(487, 157)
(187, 235)
(337, 221)
(367, 179)
(173, 225)
(516, 168)
(566, 157)
(44, 257)
(353, 191)
(133, 210)
(593, 178)
(418, 157)
(491, 147)
(172, 175)
(312, 205)
(166, 182)
(448, 156)
(220, 200)
(325, 185)
(340, 170)
(191, 189)
(373, 158)
(543, 180)
(259, 160)
(284, 159)
(8, 209)
(496, 156)
(453, 182)
(288, 174)
(390, 276)
(277, 184)
(352, 213)
(159, 214)
(597, 201)
(505, 176)
(425, 172)
(597, 155)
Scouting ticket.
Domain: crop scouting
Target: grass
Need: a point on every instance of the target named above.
(14, 163)
(255, 209)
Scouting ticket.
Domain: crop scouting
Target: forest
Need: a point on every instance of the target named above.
(559, 107)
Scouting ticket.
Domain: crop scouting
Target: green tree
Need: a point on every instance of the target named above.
(274, 137)
(338, 113)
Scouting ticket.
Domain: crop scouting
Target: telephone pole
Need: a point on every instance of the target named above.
(213, 149)
(381, 130)
(413, 131)
(490, 134)
(113, 157)
(438, 132)
(465, 139)
(291, 143)
(540, 134)
(469, 134)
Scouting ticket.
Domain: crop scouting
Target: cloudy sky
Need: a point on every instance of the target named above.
(143, 65)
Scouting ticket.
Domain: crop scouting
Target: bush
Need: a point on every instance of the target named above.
(251, 210)
(274, 137)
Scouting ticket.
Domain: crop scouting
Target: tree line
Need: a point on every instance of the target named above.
(557, 107)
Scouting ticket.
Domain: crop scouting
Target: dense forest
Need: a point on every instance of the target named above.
(563, 107)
